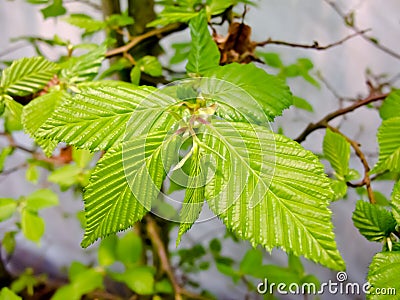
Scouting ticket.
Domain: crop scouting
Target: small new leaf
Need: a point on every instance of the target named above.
(391, 106)
(85, 22)
(389, 146)
(246, 93)
(41, 199)
(27, 76)
(84, 67)
(33, 226)
(337, 151)
(204, 54)
(8, 207)
(37, 112)
(374, 222)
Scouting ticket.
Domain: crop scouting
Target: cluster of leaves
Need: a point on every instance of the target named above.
(376, 222)
(112, 203)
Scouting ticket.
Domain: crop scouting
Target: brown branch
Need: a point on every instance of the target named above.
(324, 121)
(360, 154)
(137, 39)
(362, 182)
(14, 144)
(155, 238)
(157, 243)
(315, 45)
(351, 24)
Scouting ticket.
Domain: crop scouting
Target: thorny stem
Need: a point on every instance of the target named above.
(360, 154)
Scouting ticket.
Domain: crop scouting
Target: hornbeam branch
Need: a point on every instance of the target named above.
(315, 45)
(324, 121)
(137, 39)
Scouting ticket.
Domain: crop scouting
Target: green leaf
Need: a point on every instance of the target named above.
(26, 281)
(149, 65)
(107, 248)
(84, 67)
(41, 199)
(2, 105)
(8, 242)
(272, 59)
(5, 152)
(85, 22)
(380, 198)
(391, 106)
(8, 207)
(65, 176)
(246, 90)
(81, 157)
(182, 51)
(87, 281)
(83, 281)
(194, 196)
(173, 14)
(32, 225)
(374, 222)
(339, 188)
(384, 272)
(277, 274)
(164, 287)
(396, 202)
(304, 65)
(215, 246)
(302, 104)
(135, 75)
(217, 7)
(119, 20)
(278, 198)
(66, 292)
(125, 182)
(7, 294)
(129, 249)
(294, 264)
(97, 109)
(389, 146)
(115, 67)
(38, 1)
(27, 75)
(337, 151)
(54, 10)
(13, 111)
(32, 173)
(228, 271)
(251, 262)
(140, 280)
(37, 112)
(204, 54)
